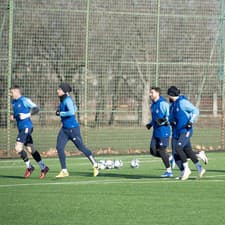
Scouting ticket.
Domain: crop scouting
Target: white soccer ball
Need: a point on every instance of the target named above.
(134, 163)
(109, 164)
(118, 164)
(102, 164)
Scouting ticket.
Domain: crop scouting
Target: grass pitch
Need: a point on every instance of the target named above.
(118, 196)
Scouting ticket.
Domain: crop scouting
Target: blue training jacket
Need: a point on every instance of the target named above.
(22, 105)
(182, 111)
(67, 110)
(159, 110)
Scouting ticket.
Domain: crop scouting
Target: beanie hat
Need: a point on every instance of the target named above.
(173, 91)
(65, 87)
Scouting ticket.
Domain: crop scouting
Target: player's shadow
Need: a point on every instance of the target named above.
(216, 171)
(12, 177)
(117, 175)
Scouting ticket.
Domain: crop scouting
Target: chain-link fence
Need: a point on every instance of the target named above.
(112, 52)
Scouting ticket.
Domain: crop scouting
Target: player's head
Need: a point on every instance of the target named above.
(15, 91)
(63, 89)
(155, 92)
(173, 93)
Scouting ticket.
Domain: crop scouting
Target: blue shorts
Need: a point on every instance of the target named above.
(183, 141)
(157, 142)
(24, 136)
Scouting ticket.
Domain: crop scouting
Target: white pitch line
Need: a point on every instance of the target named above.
(119, 181)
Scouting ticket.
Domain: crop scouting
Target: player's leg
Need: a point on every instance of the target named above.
(153, 147)
(191, 154)
(175, 155)
(76, 138)
(163, 144)
(179, 148)
(19, 147)
(62, 140)
(36, 156)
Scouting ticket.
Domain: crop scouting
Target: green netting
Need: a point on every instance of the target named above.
(112, 52)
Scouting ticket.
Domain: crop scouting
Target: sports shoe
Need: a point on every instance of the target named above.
(44, 172)
(201, 173)
(172, 162)
(181, 174)
(186, 174)
(95, 171)
(201, 155)
(28, 172)
(62, 174)
(167, 175)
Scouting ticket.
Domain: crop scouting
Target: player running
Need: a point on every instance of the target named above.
(161, 129)
(70, 130)
(182, 116)
(23, 108)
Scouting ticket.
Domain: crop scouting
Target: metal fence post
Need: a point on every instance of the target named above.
(9, 73)
(86, 71)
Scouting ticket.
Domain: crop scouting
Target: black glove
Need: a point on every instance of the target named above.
(57, 113)
(148, 126)
(161, 121)
(34, 110)
(188, 125)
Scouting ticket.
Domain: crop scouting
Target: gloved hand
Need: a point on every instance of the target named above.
(57, 113)
(148, 126)
(161, 121)
(188, 125)
(23, 116)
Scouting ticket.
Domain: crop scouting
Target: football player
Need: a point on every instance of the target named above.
(161, 129)
(70, 130)
(23, 108)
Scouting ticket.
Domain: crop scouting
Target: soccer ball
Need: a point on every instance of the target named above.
(109, 164)
(118, 164)
(134, 163)
(102, 164)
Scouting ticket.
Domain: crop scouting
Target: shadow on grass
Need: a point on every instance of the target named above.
(216, 171)
(12, 177)
(116, 175)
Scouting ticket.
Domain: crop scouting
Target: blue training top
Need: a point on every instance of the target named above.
(159, 110)
(22, 105)
(182, 111)
(67, 110)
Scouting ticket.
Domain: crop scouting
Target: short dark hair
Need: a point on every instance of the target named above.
(157, 89)
(15, 86)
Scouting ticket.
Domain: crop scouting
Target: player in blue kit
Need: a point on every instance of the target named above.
(70, 130)
(182, 116)
(23, 108)
(161, 129)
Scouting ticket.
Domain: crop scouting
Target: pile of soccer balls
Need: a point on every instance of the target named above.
(110, 164)
(116, 164)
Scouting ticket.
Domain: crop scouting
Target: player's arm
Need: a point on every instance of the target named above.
(165, 109)
(72, 108)
(193, 111)
(34, 109)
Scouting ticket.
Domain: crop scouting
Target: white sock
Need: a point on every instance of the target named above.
(28, 164)
(169, 170)
(64, 170)
(186, 165)
(93, 161)
(41, 164)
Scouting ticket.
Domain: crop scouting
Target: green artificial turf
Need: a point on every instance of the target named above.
(117, 196)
